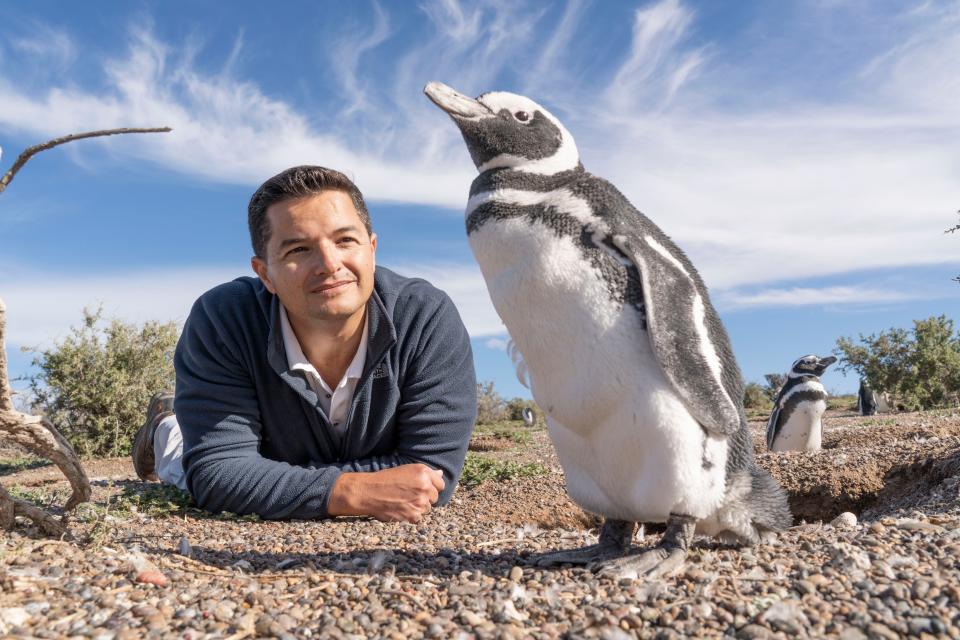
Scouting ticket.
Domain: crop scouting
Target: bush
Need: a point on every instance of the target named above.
(490, 405)
(774, 382)
(920, 369)
(515, 408)
(755, 396)
(94, 385)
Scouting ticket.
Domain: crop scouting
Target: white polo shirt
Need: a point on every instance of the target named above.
(335, 402)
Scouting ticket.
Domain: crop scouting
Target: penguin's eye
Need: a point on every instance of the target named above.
(522, 116)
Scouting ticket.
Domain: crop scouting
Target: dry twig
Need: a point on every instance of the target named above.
(34, 433)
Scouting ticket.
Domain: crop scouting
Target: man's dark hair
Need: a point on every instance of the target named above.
(297, 182)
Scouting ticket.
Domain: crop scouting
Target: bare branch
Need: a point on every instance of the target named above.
(32, 151)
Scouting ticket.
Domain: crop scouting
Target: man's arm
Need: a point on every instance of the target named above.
(434, 419)
(219, 417)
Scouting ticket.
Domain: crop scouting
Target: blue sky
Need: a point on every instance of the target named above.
(804, 154)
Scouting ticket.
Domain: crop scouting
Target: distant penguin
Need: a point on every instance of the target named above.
(866, 399)
(795, 423)
(626, 355)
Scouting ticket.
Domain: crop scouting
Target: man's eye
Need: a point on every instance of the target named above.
(296, 250)
(347, 241)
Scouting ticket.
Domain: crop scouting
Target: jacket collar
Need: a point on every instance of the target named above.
(382, 334)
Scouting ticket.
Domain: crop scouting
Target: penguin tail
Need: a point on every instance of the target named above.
(768, 503)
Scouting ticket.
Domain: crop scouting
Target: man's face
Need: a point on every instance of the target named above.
(320, 258)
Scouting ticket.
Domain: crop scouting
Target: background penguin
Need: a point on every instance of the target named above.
(627, 357)
(795, 423)
(866, 399)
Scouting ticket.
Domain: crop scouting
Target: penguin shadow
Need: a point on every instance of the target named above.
(444, 564)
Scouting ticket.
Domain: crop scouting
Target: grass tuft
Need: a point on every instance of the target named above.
(478, 469)
(22, 463)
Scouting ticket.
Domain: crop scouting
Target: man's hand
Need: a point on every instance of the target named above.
(400, 494)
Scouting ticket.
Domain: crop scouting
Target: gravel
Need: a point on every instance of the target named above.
(880, 561)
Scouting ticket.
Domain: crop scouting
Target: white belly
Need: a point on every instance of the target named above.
(804, 430)
(627, 444)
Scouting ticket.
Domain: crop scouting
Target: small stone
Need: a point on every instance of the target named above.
(877, 630)
(516, 574)
(845, 520)
(184, 548)
(152, 577)
(852, 633)
(920, 625)
(754, 632)
(13, 616)
(818, 580)
(471, 618)
(805, 587)
(876, 528)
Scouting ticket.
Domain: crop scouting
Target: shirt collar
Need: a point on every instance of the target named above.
(297, 360)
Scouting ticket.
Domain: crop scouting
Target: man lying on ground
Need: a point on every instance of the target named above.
(325, 387)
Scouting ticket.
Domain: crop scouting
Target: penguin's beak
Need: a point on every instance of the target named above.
(454, 103)
(824, 363)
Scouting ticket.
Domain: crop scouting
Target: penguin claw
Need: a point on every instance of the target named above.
(655, 563)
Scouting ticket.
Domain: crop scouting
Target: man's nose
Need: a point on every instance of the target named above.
(328, 259)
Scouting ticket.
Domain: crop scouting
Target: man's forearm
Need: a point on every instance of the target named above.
(346, 496)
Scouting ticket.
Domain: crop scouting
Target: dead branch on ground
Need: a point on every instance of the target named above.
(35, 433)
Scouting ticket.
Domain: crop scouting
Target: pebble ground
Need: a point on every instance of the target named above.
(876, 554)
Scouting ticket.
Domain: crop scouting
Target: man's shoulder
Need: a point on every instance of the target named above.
(234, 298)
(401, 292)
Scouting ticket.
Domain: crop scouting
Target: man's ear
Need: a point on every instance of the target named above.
(260, 268)
(373, 247)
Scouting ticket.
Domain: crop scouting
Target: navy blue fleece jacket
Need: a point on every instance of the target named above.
(256, 439)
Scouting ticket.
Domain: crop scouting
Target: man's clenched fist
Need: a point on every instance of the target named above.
(400, 494)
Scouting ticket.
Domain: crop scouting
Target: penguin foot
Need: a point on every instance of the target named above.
(660, 561)
(615, 536)
(655, 563)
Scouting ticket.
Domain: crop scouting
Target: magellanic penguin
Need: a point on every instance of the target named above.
(625, 355)
(866, 399)
(795, 423)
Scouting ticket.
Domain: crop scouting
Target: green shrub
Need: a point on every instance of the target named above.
(94, 385)
(478, 469)
(920, 369)
(755, 397)
(774, 381)
(515, 408)
(490, 405)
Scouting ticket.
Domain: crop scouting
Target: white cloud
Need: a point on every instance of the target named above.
(42, 307)
(810, 296)
(497, 344)
(862, 179)
(45, 44)
(656, 66)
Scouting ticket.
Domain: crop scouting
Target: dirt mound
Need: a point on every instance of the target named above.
(874, 464)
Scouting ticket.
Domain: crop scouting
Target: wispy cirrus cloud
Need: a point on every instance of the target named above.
(824, 296)
(756, 191)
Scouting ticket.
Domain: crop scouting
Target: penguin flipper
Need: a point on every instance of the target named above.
(523, 373)
(773, 424)
(688, 340)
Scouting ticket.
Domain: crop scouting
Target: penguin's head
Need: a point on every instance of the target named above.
(507, 130)
(811, 365)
